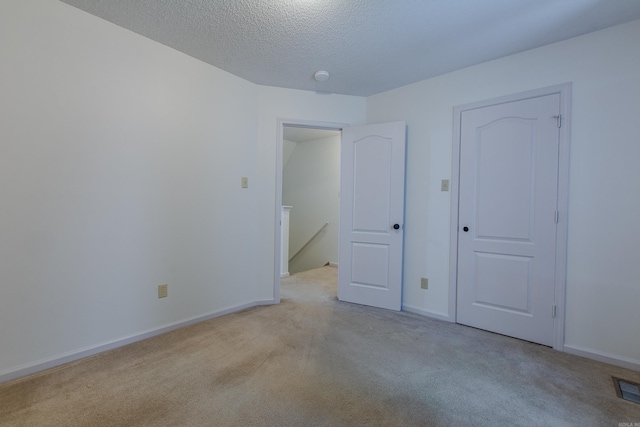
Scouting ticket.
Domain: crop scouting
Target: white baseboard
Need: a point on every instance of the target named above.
(32, 368)
(333, 264)
(283, 275)
(427, 313)
(623, 362)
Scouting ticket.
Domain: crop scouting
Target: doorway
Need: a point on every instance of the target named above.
(372, 164)
(509, 211)
(311, 196)
(301, 131)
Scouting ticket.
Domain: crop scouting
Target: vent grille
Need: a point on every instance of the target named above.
(627, 390)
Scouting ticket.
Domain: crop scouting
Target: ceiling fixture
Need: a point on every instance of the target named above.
(321, 76)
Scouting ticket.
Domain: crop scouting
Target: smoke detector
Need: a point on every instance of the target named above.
(321, 76)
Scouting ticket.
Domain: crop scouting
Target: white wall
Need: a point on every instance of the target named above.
(603, 290)
(287, 150)
(120, 170)
(311, 184)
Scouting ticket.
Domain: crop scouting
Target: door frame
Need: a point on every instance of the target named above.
(281, 123)
(560, 279)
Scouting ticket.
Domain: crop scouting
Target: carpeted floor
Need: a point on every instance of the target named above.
(315, 361)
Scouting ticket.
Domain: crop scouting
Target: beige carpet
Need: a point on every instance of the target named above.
(314, 361)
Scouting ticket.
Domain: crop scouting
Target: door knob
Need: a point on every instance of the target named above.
(465, 229)
(396, 226)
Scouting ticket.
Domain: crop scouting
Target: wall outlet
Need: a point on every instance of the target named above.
(444, 185)
(424, 283)
(163, 291)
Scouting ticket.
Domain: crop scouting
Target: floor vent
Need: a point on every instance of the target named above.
(627, 390)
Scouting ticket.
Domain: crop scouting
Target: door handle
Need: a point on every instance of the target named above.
(465, 229)
(396, 226)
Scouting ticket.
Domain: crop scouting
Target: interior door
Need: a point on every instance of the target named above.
(507, 217)
(372, 214)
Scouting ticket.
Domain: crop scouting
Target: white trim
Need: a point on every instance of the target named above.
(562, 236)
(32, 368)
(612, 359)
(564, 90)
(281, 123)
(455, 214)
(333, 264)
(427, 313)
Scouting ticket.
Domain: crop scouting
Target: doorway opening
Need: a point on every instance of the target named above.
(310, 153)
(310, 198)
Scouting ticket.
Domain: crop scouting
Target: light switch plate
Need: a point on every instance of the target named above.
(163, 291)
(245, 182)
(444, 185)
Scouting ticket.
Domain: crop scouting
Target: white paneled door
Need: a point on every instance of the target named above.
(508, 198)
(372, 215)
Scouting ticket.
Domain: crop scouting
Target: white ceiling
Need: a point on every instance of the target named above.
(368, 46)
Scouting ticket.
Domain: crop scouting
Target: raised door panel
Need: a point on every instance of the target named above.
(371, 184)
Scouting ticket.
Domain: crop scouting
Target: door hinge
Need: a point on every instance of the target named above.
(556, 214)
(553, 311)
(558, 120)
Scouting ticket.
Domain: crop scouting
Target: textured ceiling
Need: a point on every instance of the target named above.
(368, 46)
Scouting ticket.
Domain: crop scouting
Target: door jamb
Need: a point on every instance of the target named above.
(560, 279)
(281, 123)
